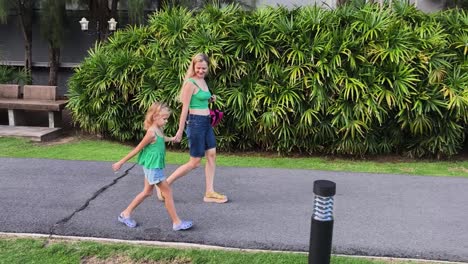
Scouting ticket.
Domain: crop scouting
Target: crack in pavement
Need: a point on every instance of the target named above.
(85, 205)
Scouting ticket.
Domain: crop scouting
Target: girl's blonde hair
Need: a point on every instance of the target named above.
(155, 109)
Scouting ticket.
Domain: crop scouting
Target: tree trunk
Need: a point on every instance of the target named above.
(54, 60)
(198, 3)
(113, 12)
(25, 16)
(28, 52)
(341, 2)
(100, 12)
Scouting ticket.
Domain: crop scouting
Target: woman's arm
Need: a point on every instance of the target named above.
(187, 91)
(212, 98)
(148, 138)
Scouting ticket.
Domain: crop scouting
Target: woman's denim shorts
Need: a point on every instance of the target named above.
(200, 135)
(154, 176)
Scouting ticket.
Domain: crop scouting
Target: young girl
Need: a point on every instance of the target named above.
(152, 158)
(195, 97)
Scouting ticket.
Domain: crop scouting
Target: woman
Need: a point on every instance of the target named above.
(195, 97)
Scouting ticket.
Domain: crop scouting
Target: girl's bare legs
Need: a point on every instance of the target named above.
(169, 201)
(147, 191)
(210, 168)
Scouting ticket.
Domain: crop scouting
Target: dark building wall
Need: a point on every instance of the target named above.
(74, 49)
(75, 43)
(41, 76)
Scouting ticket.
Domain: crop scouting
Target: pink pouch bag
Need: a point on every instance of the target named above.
(216, 116)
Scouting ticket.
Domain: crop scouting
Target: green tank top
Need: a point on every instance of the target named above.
(153, 155)
(200, 99)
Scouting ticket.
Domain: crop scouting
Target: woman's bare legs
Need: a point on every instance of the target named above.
(181, 171)
(169, 201)
(210, 195)
(192, 164)
(147, 191)
(210, 168)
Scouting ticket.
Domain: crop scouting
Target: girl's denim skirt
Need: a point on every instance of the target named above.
(154, 176)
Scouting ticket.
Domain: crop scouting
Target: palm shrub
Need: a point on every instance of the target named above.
(11, 74)
(355, 80)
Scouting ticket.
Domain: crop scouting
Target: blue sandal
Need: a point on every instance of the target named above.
(184, 225)
(127, 221)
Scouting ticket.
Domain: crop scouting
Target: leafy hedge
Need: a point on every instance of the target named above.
(355, 80)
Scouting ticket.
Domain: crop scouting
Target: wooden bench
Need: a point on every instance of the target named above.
(36, 98)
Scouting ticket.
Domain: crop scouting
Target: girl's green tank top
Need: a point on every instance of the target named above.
(153, 155)
(200, 99)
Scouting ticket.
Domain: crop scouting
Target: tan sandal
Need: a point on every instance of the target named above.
(214, 197)
(159, 194)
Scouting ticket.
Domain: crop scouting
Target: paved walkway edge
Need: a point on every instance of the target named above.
(198, 246)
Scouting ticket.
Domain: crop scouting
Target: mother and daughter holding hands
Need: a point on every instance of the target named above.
(195, 97)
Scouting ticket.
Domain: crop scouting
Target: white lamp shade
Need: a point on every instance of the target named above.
(84, 24)
(112, 24)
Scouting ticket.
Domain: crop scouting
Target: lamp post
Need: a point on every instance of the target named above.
(84, 26)
(321, 229)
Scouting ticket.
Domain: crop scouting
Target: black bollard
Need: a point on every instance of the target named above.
(321, 228)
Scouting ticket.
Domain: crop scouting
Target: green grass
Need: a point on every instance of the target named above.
(101, 150)
(28, 250)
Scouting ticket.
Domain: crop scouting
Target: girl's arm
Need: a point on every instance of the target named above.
(171, 139)
(161, 134)
(187, 91)
(148, 138)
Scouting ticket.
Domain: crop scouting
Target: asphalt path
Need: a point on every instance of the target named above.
(375, 214)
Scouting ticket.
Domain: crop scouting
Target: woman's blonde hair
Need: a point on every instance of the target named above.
(200, 57)
(155, 109)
